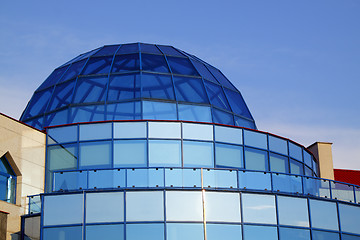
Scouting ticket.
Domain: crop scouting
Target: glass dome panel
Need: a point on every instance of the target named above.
(154, 63)
(90, 90)
(124, 63)
(181, 66)
(128, 48)
(107, 50)
(149, 48)
(73, 71)
(98, 65)
(123, 87)
(53, 78)
(190, 90)
(216, 95)
(157, 86)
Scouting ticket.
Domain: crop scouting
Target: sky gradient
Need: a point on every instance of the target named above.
(296, 63)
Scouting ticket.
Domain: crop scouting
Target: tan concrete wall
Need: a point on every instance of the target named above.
(323, 153)
(25, 149)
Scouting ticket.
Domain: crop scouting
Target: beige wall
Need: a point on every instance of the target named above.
(323, 153)
(24, 147)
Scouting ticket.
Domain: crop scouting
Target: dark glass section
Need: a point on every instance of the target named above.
(220, 77)
(53, 78)
(61, 233)
(124, 111)
(149, 48)
(125, 63)
(237, 103)
(57, 118)
(128, 48)
(123, 87)
(98, 65)
(216, 95)
(294, 233)
(182, 66)
(190, 90)
(90, 90)
(321, 235)
(222, 117)
(38, 103)
(107, 50)
(96, 232)
(73, 71)
(204, 72)
(157, 86)
(154, 63)
(62, 95)
(168, 50)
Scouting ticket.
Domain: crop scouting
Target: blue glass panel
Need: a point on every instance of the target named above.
(296, 167)
(256, 159)
(216, 95)
(223, 231)
(255, 139)
(61, 233)
(87, 114)
(95, 155)
(290, 215)
(254, 180)
(295, 151)
(279, 163)
(194, 113)
(130, 153)
(3, 188)
(278, 145)
(177, 231)
(228, 156)
(220, 77)
(154, 63)
(219, 178)
(145, 206)
(65, 181)
(324, 215)
(157, 86)
(349, 237)
(198, 131)
(198, 154)
(182, 177)
(53, 78)
(106, 178)
(34, 204)
(126, 63)
(184, 206)
(307, 158)
(190, 90)
(104, 207)
(149, 48)
(96, 232)
(123, 87)
(241, 122)
(159, 111)
(57, 118)
(222, 117)
(182, 66)
(164, 153)
(349, 218)
(153, 177)
(342, 191)
(222, 207)
(130, 130)
(38, 103)
(260, 232)
(153, 231)
(124, 111)
(73, 71)
(168, 50)
(287, 183)
(167, 130)
(294, 233)
(90, 90)
(204, 72)
(259, 208)
(228, 135)
(128, 48)
(107, 50)
(316, 187)
(308, 172)
(237, 103)
(36, 122)
(62, 95)
(321, 235)
(98, 65)
(95, 131)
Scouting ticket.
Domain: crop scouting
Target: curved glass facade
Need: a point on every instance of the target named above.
(136, 81)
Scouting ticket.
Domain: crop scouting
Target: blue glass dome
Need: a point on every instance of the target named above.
(136, 81)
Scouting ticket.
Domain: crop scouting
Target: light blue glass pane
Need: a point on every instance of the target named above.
(153, 231)
(294, 234)
(228, 135)
(145, 206)
(34, 204)
(288, 214)
(279, 163)
(57, 209)
(228, 156)
(219, 178)
(254, 180)
(104, 207)
(98, 65)
(87, 114)
(62, 134)
(124, 111)
(278, 145)
(56, 118)
(260, 232)
(95, 131)
(216, 95)
(181, 66)
(154, 63)
(287, 183)
(184, 206)
(223, 231)
(159, 110)
(237, 103)
(324, 215)
(180, 231)
(296, 167)
(124, 87)
(90, 90)
(96, 232)
(342, 191)
(126, 63)
(194, 113)
(70, 181)
(295, 151)
(62, 95)
(222, 207)
(107, 178)
(349, 218)
(153, 177)
(222, 117)
(190, 90)
(349, 237)
(316, 187)
(95, 155)
(164, 153)
(321, 235)
(198, 154)
(157, 86)
(255, 139)
(61, 233)
(130, 153)
(242, 122)
(315, 167)
(130, 130)
(182, 177)
(197, 131)
(259, 208)
(170, 130)
(307, 158)
(256, 159)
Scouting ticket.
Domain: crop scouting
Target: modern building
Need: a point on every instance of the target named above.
(144, 141)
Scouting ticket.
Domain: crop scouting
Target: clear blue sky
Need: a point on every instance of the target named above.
(297, 63)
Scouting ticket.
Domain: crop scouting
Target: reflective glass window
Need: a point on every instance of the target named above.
(294, 233)
(308, 171)
(130, 130)
(181, 66)
(124, 87)
(324, 215)
(197, 131)
(95, 131)
(215, 178)
(62, 95)
(124, 111)
(260, 232)
(145, 206)
(98, 65)
(182, 177)
(349, 218)
(287, 183)
(107, 50)
(177, 231)
(164, 130)
(149, 48)
(256, 159)
(130, 153)
(96, 232)
(64, 181)
(222, 117)
(38, 103)
(104, 207)
(307, 158)
(90, 90)
(216, 95)
(159, 110)
(255, 139)
(278, 145)
(220, 77)
(87, 114)
(296, 167)
(157, 86)
(198, 154)
(154, 63)
(190, 90)
(56, 118)
(228, 135)
(164, 153)
(95, 155)
(293, 211)
(148, 231)
(237, 103)
(295, 151)
(279, 163)
(73, 71)
(228, 155)
(110, 178)
(53, 78)
(194, 113)
(62, 134)
(125, 63)
(322, 235)
(258, 208)
(128, 48)
(222, 207)
(254, 180)
(61, 233)
(349, 237)
(153, 177)
(223, 231)
(169, 50)
(184, 206)
(63, 209)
